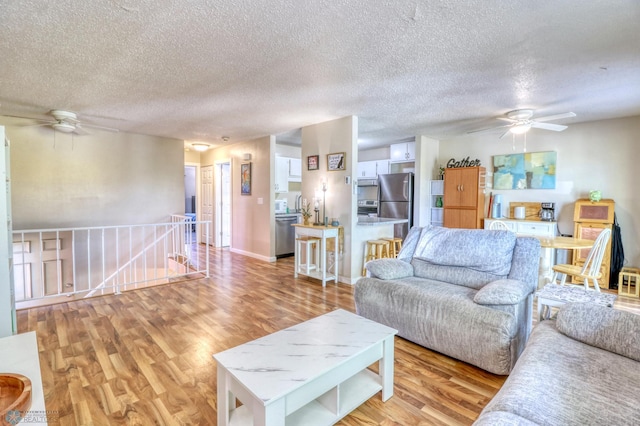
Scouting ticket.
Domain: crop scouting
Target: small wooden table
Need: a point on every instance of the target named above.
(322, 232)
(552, 244)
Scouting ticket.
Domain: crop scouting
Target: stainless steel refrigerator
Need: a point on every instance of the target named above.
(395, 200)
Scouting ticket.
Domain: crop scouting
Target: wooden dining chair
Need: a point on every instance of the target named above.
(591, 268)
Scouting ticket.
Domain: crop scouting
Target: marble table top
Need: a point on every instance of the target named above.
(274, 365)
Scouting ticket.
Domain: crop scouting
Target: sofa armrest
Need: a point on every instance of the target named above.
(502, 292)
(389, 269)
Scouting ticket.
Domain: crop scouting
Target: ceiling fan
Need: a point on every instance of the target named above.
(521, 121)
(65, 122)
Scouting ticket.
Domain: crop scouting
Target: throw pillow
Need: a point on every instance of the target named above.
(389, 269)
(502, 292)
(605, 328)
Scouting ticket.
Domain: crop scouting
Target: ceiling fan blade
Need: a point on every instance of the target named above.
(504, 134)
(95, 126)
(548, 126)
(490, 128)
(510, 120)
(27, 118)
(555, 117)
(80, 131)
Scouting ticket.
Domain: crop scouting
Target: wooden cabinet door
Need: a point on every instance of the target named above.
(461, 187)
(460, 218)
(452, 188)
(468, 187)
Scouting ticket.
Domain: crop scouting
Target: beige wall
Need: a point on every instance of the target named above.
(105, 178)
(339, 135)
(253, 220)
(596, 155)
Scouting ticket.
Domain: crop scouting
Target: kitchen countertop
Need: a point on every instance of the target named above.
(377, 221)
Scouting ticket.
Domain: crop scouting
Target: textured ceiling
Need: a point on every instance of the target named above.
(200, 70)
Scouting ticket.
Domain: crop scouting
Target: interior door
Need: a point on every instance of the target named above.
(225, 204)
(206, 185)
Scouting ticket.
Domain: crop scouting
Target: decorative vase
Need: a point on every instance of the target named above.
(306, 221)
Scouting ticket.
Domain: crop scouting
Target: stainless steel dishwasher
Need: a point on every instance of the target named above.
(285, 235)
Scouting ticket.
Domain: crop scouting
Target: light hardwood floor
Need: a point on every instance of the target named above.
(145, 357)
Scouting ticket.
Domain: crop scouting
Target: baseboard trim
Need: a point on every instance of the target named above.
(254, 255)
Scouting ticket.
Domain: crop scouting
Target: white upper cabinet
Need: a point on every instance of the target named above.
(371, 169)
(282, 174)
(403, 152)
(295, 169)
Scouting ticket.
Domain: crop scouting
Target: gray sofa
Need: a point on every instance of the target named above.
(467, 293)
(581, 369)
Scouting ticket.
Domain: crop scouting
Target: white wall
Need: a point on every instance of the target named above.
(339, 135)
(596, 155)
(253, 220)
(105, 178)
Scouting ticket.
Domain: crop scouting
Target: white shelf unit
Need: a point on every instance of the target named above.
(436, 191)
(328, 408)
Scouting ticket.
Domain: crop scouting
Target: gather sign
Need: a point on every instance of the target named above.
(465, 162)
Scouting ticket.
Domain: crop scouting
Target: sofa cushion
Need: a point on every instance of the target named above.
(410, 242)
(561, 381)
(605, 328)
(442, 317)
(472, 256)
(502, 292)
(389, 269)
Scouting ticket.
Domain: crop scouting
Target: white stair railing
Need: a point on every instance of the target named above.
(53, 263)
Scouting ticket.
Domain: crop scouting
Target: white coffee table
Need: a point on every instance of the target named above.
(313, 373)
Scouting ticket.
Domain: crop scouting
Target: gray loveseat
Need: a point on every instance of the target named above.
(581, 369)
(467, 293)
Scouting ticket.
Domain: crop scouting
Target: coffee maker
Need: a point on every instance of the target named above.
(547, 211)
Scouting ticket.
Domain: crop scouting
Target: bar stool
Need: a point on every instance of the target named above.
(375, 249)
(395, 244)
(311, 245)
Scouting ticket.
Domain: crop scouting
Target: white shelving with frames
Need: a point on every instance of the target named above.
(436, 201)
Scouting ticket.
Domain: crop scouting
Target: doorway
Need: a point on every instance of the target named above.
(206, 212)
(190, 201)
(223, 203)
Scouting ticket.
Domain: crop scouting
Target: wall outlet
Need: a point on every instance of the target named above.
(260, 200)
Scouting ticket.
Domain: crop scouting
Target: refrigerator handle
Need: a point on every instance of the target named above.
(405, 189)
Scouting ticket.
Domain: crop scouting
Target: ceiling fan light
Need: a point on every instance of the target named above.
(64, 127)
(200, 146)
(520, 129)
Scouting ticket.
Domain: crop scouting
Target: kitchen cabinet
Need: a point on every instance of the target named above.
(590, 219)
(436, 197)
(371, 169)
(295, 169)
(282, 174)
(464, 197)
(403, 152)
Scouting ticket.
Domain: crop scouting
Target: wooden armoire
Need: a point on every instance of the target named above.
(464, 197)
(590, 218)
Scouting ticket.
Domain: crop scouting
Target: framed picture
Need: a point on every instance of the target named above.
(245, 179)
(313, 162)
(336, 161)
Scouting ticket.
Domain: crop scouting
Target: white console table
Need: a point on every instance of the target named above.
(323, 233)
(534, 228)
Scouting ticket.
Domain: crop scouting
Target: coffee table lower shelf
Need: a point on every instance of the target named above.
(328, 408)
